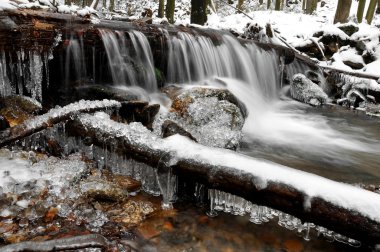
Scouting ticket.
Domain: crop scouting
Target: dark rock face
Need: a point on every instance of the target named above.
(4, 124)
(139, 111)
(98, 92)
(349, 28)
(170, 128)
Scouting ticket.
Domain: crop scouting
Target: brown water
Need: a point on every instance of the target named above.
(187, 228)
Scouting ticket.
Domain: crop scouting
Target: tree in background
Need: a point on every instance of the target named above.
(359, 13)
(371, 11)
(240, 5)
(277, 5)
(198, 12)
(311, 6)
(269, 3)
(378, 7)
(343, 11)
(170, 5)
(161, 8)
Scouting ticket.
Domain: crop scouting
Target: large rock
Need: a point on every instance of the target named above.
(214, 117)
(304, 90)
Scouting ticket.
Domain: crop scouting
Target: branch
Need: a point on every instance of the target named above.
(52, 117)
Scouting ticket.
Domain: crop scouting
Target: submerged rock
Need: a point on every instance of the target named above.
(214, 117)
(304, 90)
(102, 190)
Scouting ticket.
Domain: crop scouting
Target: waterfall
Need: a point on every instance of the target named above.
(129, 64)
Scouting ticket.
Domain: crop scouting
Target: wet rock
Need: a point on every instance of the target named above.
(139, 111)
(98, 92)
(170, 128)
(349, 28)
(124, 182)
(4, 124)
(132, 212)
(313, 76)
(353, 64)
(102, 190)
(181, 102)
(304, 90)
(16, 109)
(212, 116)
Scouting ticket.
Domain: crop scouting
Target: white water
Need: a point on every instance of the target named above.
(130, 65)
(253, 75)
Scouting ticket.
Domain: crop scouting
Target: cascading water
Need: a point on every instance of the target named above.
(130, 65)
(275, 123)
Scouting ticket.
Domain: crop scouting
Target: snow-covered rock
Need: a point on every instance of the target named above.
(304, 90)
(212, 116)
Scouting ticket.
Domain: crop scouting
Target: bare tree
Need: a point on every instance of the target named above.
(277, 5)
(198, 12)
(343, 11)
(161, 9)
(170, 6)
(269, 3)
(311, 6)
(359, 13)
(240, 5)
(371, 11)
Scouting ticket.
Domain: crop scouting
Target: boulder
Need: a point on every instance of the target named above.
(214, 117)
(304, 90)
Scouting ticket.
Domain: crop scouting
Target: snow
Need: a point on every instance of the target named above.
(7, 5)
(340, 194)
(71, 108)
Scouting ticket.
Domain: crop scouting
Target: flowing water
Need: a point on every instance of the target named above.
(335, 145)
(331, 143)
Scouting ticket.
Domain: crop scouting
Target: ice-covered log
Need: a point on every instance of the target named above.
(348, 210)
(53, 116)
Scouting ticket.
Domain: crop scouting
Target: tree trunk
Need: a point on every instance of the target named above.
(198, 12)
(371, 11)
(343, 11)
(87, 3)
(170, 6)
(359, 13)
(277, 6)
(311, 6)
(261, 2)
(378, 7)
(304, 5)
(112, 5)
(269, 3)
(240, 5)
(161, 9)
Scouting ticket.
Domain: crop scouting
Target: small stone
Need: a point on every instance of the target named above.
(103, 190)
(51, 214)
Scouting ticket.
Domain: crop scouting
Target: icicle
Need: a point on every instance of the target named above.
(211, 212)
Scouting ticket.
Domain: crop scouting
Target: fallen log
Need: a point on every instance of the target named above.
(52, 117)
(350, 73)
(337, 206)
(70, 243)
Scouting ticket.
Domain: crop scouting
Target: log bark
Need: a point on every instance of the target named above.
(54, 116)
(275, 194)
